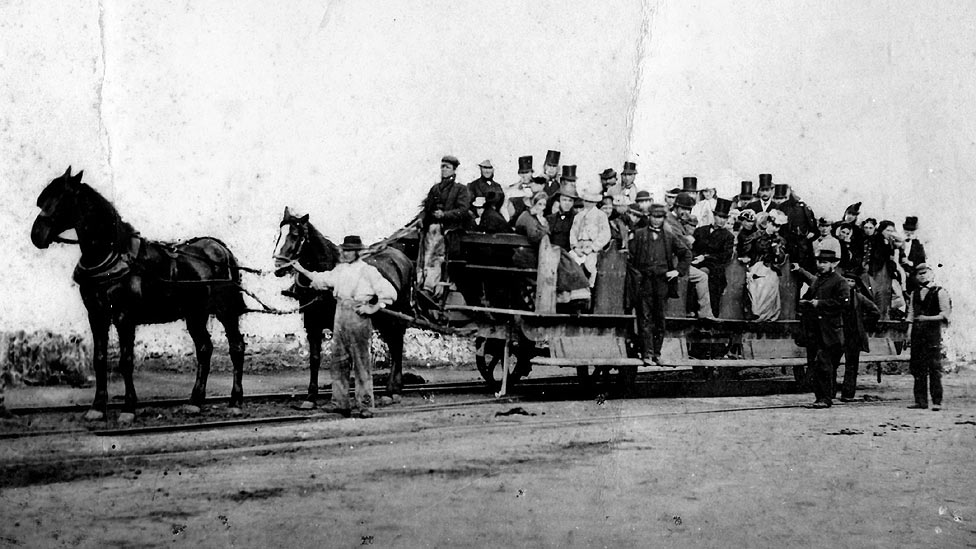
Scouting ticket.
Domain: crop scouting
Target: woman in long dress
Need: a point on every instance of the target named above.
(572, 286)
(881, 266)
(767, 254)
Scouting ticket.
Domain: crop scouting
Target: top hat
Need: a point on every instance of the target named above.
(911, 223)
(642, 195)
(722, 207)
(746, 192)
(781, 190)
(478, 202)
(486, 164)
(630, 168)
(689, 184)
(684, 200)
(568, 189)
(353, 242)
(552, 158)
(452, 160)
(853, 209)
(608, 174)
(569, 172)
(525, 164)
(765, 180)
(828, 254)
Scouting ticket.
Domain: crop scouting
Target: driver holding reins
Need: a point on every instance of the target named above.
(360, 290)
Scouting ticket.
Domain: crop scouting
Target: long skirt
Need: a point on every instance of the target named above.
(762, 285)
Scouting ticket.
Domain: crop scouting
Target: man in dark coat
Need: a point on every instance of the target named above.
(860, 315)
(486, 183)
(765, 201)
(550, 170)
(822, 312)
(445, 211)
(657, 257)
(561, 222)
(485, 218)
(931, 308)
(913, 254)
(712, 251)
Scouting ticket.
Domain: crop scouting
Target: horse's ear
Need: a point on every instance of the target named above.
(78, 176)
(287, 213)
(67, 173)
(303, 219)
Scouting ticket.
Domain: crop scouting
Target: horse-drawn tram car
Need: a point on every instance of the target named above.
(514, 314)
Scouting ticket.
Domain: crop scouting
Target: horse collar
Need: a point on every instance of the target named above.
(111, 269)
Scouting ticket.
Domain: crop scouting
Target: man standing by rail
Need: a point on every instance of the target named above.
(931, 308)
(657, 257)
(360, 291)
(446, 210)
(822, 311)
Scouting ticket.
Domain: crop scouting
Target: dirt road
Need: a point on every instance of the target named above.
(628, 473)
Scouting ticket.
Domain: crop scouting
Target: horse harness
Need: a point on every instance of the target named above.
(117, 266)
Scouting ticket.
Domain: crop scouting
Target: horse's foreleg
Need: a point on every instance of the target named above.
(127, 335)
(314, 362)
(394, 343)
(99, 329)
(197, 326)
(235, 341)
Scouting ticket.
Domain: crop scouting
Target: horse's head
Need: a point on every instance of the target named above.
(292, 236)
(59, 208)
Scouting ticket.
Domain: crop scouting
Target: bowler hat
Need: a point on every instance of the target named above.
(746, 192)
(689, 184)
(478, 202)
(684, 200)
(569, 172)
(608, 174)
(525, 164)
(827, 254)
(781, 190)
(642, 195)
(568, 189)
(486, 164)
(722, 207)
(552, 158)
(353, 242)
(765, 180)
(452, 160)
(630, 168)
(911, 224)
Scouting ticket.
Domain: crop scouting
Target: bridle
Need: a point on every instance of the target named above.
(302, 239)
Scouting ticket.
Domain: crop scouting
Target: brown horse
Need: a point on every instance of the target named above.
(299, 240)
(127, 280)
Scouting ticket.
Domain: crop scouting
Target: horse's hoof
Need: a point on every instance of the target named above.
(306, 405)
(126, 418)
(385, 401)
(235, 411)
(191, 409)
(93, 415)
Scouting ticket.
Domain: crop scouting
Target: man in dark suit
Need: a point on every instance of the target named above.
(765, 201)
(561, 222)
(486, 183)
(446, 211)
(801, 227)
(913, 254)
(712, 251)
(822, 312)
(551, 172)
(657, 257)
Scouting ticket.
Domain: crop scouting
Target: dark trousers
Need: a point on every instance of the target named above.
(824, 364)
(651, 300)
(852, 358)
(925, 364)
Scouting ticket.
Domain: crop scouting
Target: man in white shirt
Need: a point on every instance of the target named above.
(360, 291)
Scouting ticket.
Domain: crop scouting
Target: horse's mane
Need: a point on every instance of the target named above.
(104, 208)
(329, 257)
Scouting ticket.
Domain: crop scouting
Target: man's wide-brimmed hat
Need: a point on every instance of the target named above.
(569, 172)
(630, 168)
(722, 207)
(552, 158)
(684, 200)
(525, 164)
(827, 254)
(352, 242)
(568, 189)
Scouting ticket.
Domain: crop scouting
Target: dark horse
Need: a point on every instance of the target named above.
(299, 240)
(127, 280)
